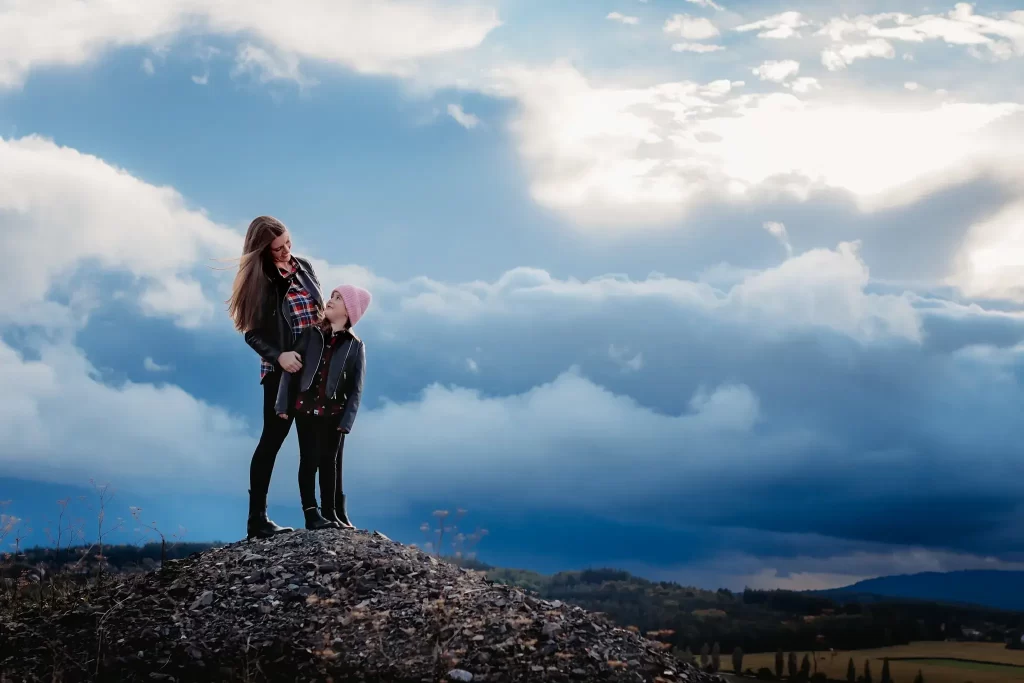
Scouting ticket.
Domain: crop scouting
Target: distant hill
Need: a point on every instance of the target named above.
(989, 588)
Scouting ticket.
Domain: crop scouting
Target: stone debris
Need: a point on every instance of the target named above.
(329, 605)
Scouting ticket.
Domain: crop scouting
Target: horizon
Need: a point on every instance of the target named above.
(711, 292)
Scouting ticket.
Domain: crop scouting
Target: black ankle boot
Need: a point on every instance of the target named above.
(259, 525)
(340, 513)
(316, 521)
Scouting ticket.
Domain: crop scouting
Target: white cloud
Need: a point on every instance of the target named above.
(472, 366)
(911, 85)
(836, 59)
(991, 261)
(201, 80)
(104, 427)
(804, 84)
(690, 28)
(267, 67)
(622, 18)
(147, 67)
(615, 157)
(707, 3)
(996, 37)
(103, 216)
(778, 26)
(777, 71)
(467, 121)
(151, 365)
(778, 231)
(622, 357)
(387, 36)
(699, 48)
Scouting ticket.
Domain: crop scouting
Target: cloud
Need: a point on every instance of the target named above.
(699, 48)
(623, 19)
(611, 157)
(779, 26)
(804, 84)
(707, 3)
(104, 428)
(690, 28)
(628, 363)
(467, 121)
(267, 67)
(385, 37)
(777, 71)
(778, 231)
(105, 217)
(472, 366)
(151, 365)
(990, 263)
(911, 85)
(997, 37)
(147, 67)
(201, 80)
(836, 59)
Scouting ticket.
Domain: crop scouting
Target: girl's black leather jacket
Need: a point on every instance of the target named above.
(344, 376)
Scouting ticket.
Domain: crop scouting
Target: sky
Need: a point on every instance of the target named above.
(725, 293)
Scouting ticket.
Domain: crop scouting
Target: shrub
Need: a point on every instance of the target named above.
(737, 660)
(765, 674)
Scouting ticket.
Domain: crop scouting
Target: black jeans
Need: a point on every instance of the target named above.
(320, 448)
(275, 430)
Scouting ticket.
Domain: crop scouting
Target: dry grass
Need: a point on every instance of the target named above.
(904, 672)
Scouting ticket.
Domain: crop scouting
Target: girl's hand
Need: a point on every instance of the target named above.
(283, 416)
(290, 361)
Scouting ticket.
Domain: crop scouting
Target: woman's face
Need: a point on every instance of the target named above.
(335, 310)
(281, 247)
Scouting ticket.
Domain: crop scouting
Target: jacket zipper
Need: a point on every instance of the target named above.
(344, 373)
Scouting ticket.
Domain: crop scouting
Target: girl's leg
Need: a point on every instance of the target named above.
(340, 508)
(328, 445)
(310, 429)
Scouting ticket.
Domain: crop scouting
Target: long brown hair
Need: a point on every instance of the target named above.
(250, 287)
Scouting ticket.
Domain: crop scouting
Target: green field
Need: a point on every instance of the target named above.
(940, 662)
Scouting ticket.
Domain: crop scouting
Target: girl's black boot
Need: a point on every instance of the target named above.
(315, 521)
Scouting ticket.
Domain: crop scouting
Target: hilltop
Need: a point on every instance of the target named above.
(350, 606)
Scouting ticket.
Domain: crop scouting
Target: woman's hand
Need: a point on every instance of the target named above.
(290, 361)
(283, 416)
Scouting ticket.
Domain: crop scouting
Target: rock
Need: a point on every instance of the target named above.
(204, 600)
(342, 605)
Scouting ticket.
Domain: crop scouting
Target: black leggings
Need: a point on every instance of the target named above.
(312, 455)
(275, 430)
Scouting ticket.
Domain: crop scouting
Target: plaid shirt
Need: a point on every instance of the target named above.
(302, 312)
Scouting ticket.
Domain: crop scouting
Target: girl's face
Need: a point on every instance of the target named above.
(281, 248)
(335, 311)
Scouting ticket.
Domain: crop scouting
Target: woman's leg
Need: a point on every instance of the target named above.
(310, 430)
(275, 430)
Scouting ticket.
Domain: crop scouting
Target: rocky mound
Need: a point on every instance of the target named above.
(330, 605)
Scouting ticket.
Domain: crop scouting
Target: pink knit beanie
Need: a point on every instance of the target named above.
(356, 299)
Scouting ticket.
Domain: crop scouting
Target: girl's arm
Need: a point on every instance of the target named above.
(355, 392)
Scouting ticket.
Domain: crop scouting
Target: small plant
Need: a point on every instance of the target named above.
(792, 666)
(851, 672)
(780, 664)
(886, 676)
(805, 668)
(919, 678)
(704, 655)
(716, 657)
(737, 660)
(462, 545)
(867, 671)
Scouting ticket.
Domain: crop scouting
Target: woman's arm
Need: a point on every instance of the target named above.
(355, 392)
(261, 345)
(281, 404)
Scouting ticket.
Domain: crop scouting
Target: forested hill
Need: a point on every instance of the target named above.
(999, 589)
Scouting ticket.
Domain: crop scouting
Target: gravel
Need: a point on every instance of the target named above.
(326, 605)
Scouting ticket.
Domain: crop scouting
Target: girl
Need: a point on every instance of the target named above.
(324, 398)
(275, 296)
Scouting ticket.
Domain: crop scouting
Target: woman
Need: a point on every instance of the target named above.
(275, 296)
(325, 398)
